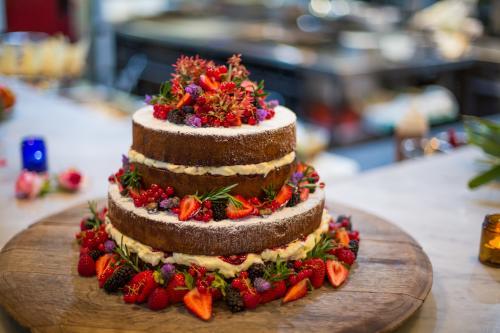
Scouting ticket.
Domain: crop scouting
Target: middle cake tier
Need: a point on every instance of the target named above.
(202, 159)
(165, 232)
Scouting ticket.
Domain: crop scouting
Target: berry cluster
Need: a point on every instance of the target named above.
(218, 204)
(118, 270)
(203, 94)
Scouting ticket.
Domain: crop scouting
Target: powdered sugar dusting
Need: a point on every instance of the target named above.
(282, 118)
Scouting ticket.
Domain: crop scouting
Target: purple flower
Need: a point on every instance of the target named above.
(169, 203)
(261, 114)
(167, 270)
(296, 177)
(125, 162)
(261, 285)
(109, 245)
(272, 103)
(193, 90)
(147, 99)
(193, 120)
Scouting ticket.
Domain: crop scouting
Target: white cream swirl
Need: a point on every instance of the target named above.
(262, 168)
(295, 250)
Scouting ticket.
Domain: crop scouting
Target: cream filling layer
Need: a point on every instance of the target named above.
(262, 168)
(295, 250)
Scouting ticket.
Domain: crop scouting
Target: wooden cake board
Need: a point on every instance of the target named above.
(40, 287)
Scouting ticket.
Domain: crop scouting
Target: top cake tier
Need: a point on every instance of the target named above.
(163, 141)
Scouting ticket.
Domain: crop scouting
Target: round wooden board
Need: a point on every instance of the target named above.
(41, 289)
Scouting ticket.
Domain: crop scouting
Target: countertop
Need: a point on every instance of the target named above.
(428, 198)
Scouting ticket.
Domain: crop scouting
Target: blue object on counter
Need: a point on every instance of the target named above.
(34, 154)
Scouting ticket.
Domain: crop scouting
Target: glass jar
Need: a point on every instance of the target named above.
(489, 250)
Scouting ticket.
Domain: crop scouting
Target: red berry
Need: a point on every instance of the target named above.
(207, 204)
(252, 121)
(345, 255)
(237, 284)
(158, 300)
(354, 235)
(251, 299)
(101, 247)
(169, 191)
(297, 264)
(86, 265)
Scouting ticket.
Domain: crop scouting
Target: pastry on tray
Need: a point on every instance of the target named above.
(211, 204)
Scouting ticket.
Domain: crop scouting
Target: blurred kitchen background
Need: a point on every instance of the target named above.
(371, 81)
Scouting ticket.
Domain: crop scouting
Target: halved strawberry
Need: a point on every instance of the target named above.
(319, 271)
(105, 266)
(304, 194)
(139, 288)
(245, 209)
(185, 100)
(336, 272)
(297, 291)
(283, 196)
(208, 84)
(176, 288)
(199, 303)
(188, 206)
(342, 237)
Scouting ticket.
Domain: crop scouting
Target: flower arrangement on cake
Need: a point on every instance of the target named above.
(202, 94)
(214, 209)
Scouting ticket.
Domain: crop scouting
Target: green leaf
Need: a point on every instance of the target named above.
(188, 278)
(485, 177)
(219, 283)
(484, 134)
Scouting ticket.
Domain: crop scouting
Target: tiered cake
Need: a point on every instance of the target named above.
(211, 198)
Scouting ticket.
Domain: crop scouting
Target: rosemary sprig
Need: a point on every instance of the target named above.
(94, 221)
(222, 194)
(270, 192)
(132, 179)
(321, 248)
(277, 271)
(124, 253)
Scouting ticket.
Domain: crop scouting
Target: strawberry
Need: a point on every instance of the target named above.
(102, 263)
(199, 303)
(319, 270)
(304, 194)
(139, 288)
(158, 300)
(251, 299)
(283, 196)
(235, 213)
(105, 268)
(176, 288)
(105, 275)
(336, 272)
(208, 84)
(185, 100)
(86, 265)
(277, 290)
(189, 206)
(345, 255)
(297, 291)
(342, 237)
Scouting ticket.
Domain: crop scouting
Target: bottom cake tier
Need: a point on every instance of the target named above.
(229, 265)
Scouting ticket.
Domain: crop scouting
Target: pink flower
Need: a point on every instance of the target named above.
(70, 180)
(29, 184)
(248, 85)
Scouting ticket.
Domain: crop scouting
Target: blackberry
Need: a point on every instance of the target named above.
(256, 271)
(219, 210)
(354, 246)
(294, 200)
(95, 254)
(119, 278)
(188, 109)
(234, 300)
(176, 117)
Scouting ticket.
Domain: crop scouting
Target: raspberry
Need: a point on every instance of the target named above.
(86, 265)
(345, 255)
(251, 299)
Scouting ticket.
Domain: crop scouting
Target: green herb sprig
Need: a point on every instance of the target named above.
(277, 271)
(124, 253)
(321, 248)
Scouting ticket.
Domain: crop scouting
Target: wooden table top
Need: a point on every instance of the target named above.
(427, 198)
